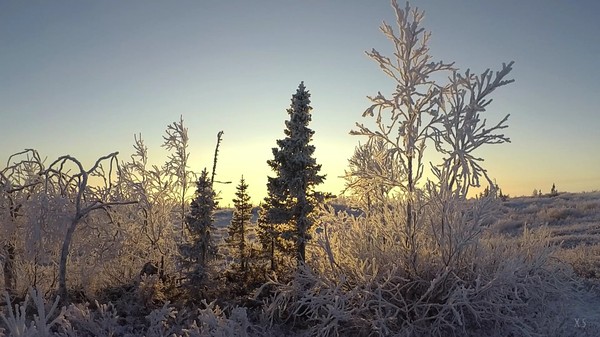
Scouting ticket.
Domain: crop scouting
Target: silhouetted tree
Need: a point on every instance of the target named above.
(423, 113)
(553, 191)
(85, 199)
(291, 196)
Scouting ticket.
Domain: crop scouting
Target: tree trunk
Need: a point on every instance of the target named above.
(242, 249)
(409, 221)
(301, 251)
(62, 267)
(9, 276)
(410, 217)
(272, 254)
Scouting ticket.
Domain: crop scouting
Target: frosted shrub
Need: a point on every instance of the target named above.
(86, 322)
(18, 321)
(585, 260)
(361, 279)
(416, 263)
(208, 322)
(158, 320)
(102, 320)
(212, 322)
(151, 290)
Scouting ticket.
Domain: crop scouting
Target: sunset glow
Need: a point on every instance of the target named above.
(81, 79)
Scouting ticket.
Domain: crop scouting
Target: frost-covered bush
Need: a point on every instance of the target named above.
(82, 321)
(212, 322)
(151, 291)
(585, 260)
(418, 261)
(361, 280)
(20, 323)
(555, 215)
(102, 320)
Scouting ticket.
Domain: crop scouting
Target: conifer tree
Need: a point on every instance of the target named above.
(239, 223)
(270, 233)
(553, 191)
(291, 196)
(200, 223)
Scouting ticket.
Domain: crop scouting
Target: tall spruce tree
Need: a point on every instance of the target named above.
(200, 224)
(239, 223)
(291, 196)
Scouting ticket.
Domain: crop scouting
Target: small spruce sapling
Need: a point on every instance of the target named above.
(239, 224)
(199, 222)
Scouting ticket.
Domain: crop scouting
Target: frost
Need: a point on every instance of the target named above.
(19, 324)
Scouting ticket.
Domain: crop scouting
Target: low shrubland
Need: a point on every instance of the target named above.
(363, 280)
(365, 275)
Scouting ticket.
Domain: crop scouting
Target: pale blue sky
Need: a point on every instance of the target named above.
(81, 78)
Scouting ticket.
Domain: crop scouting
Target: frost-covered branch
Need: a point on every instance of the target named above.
(75, 186)
(459, 129)
(421, 111)
(177, 141)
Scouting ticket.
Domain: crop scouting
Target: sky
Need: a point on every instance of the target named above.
(82, 77)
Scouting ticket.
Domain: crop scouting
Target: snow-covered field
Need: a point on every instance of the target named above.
(573, 220)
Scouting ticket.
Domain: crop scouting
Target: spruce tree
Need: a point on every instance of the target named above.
(239, 223)
(291, 196)
(553, 191)
(266, 234)
(199, 222)
(272, 223)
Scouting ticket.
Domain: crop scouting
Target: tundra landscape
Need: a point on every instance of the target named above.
(421, 239)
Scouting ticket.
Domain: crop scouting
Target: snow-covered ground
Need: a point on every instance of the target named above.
(573, 220)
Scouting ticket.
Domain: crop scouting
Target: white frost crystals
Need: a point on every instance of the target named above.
(419, 261)
(422, 112)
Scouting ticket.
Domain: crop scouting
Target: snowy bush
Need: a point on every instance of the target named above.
(362, 281)
(151, 291)
(20, 323)
(418, 262)
(212, 322)
(82, 321)
(102, 320)
(585, 260)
